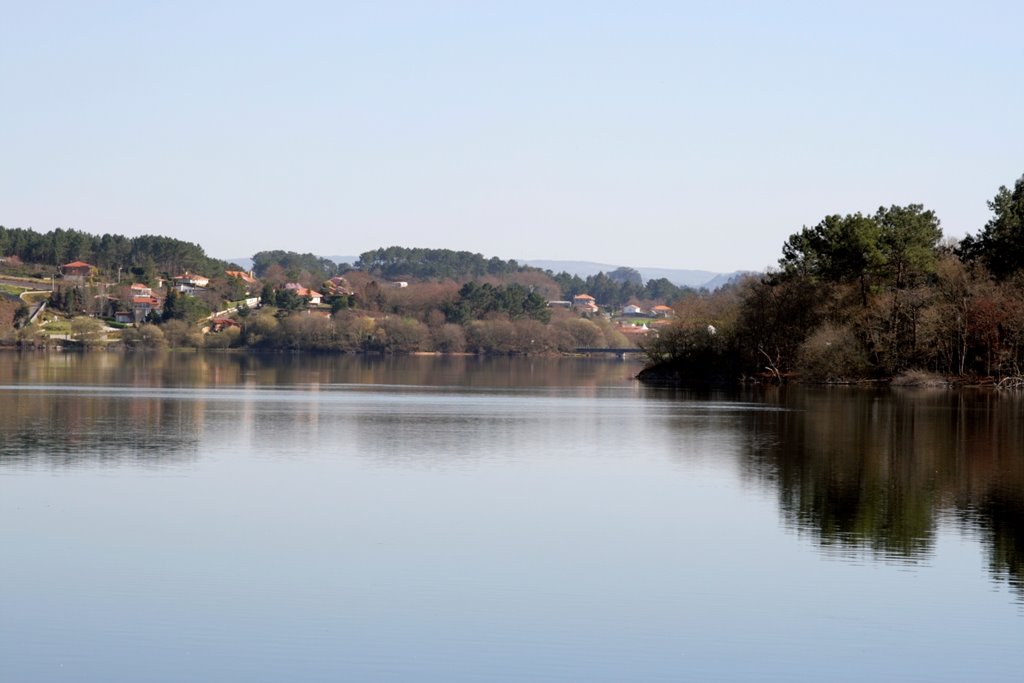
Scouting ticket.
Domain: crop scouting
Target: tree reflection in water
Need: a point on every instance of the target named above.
(877, 470)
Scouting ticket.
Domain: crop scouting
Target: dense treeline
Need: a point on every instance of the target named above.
(417, 263)
(620, 287)
(353, 331)
(480, 301)
(145, 256)
(295, 267)
(864, 296)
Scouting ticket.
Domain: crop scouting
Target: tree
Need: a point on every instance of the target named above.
(295, 266)
(908, 239)
(625, 274)
(661, 289)
(838, 249)
(1000, 245)
(289, 300)
(175, 332)
(87, 331)
(182, 307)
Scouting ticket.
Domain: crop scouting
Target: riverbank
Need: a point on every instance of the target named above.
(668, 375)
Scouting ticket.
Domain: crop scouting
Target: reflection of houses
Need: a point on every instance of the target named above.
(76, 271)
(190, 283)
(663, 311)
(314, 296)
(584, 303)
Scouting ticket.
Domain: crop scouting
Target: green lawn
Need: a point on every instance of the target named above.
(57, 326)
(12, 290)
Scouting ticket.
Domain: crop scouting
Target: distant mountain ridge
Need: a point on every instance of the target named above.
(677, 276)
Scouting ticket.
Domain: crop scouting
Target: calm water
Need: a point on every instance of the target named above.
(206, 517)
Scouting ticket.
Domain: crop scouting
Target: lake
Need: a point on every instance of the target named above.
(170, 517)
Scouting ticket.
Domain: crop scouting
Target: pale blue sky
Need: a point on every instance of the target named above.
(645, 133)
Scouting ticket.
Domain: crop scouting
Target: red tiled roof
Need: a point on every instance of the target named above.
(77, 264)
(242, 275)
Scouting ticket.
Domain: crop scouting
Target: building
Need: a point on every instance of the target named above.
(189, 283)
(142, 306)
(77, 271)
(584, 304)
(631, 309)
(314, 296)
(338, 285)
(221, 323)
(245, 277)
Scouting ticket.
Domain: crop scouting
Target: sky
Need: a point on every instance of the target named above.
(668, 134)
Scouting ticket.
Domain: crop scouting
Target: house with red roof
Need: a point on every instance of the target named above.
(246, 277)
(77, 270)
(584, 303)
(142, 306)
(221, 323)
(314, 296)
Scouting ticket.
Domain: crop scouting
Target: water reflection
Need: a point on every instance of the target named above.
(62, 429)
(174, 369)
(858, 471)
(879, 471)
(68, 409)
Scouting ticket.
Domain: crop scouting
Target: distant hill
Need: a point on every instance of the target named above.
(726, 278)
(246, 263)
(682, 278)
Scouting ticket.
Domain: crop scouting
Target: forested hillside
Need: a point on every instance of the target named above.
(866, 296)
(147, 254)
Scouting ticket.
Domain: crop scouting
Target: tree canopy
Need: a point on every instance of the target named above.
(145, 254)
(403, 262)
(895, 246)
(296, 266)
(476, 301)
(1000, 244)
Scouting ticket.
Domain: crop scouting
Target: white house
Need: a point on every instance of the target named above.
(190, 283)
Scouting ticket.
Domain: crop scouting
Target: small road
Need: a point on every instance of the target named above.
(30, 283)
(33, 287)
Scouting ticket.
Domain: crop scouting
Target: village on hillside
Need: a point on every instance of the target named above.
(80, 304)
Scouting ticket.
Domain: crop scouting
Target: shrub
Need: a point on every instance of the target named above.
(832, 354)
